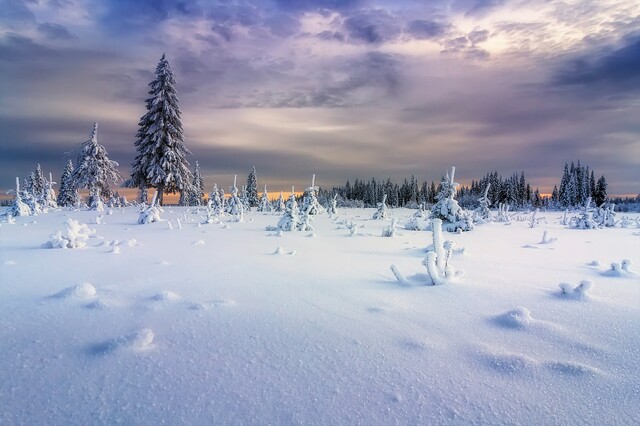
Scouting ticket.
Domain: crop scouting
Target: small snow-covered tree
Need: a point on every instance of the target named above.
(381, 213)
(280, 204)
(38, 185)
(234, 205)
(68, 194)
(49, 201)
(482, 212)
(26, 195)
(585, 220)
(161, 152)
(332, 209)
(265, 205)
(252, 189)
(447, 209)
(290, 221)
(94, 170)
(215, 201)
(310, 204)
(19, 207)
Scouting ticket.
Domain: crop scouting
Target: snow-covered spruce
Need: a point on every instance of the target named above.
(251, 193)
(578, 292)
(68, 193)
(264, 205)
(75, 235)
(49, 195)
(585, 220)
(196, 191)
(290, 221)
(280, 205)
(19, 207)
(216, 201)
(234, 205)
(381, 213)
(94, 170)
(310, 204)
(332, 208)
(453, 217)
(502, 214)
(605, 216)
(161, 152)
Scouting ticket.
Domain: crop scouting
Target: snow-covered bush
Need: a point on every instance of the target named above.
(151, 213)
(605, 216)
(437, 261)
(546, 239)
(390, 230)
(622, 269)
(585, 220)
(381, 213)
(453, 217)
(75, 235)
(503, 213)
(482, 214)
(578, 292)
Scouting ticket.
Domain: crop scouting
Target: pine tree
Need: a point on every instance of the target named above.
(38, 185)
(19, 207)
(265, 205)
(310, 204)
(94, 170)
(161, 160)
(280, 205)
(252, 188)
(68, 194)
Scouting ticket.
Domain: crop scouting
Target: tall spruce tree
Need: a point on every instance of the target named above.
(197, 187)
(600, 195)
(161, 160)
(94, 170)
(252, 188)
(68, 193)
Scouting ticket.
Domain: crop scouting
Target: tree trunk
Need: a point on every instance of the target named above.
(160, 195)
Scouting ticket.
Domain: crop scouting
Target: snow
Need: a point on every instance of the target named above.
(238, 330)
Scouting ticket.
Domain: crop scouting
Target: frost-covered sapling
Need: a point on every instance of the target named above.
(440, 271)
(310, 204)
(216, 201)
(390, 230)
(234, 203)
(75, 235)
(332, 208)
(19, 207)
(280, 205)
(453, 217)
(503, 213)
(605, 216)
(290, 221)
(585, 220)
(264, 205)
(151, 213)
(546, 239)
(482, 214)
(381, 213)
(49, 196)
(533, 222)
(578, 292)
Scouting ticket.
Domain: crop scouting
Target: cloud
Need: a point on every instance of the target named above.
(54, 31)
(15, 14)
(374, 26)
(611, 70)
(424, 30)
(318, 5)
(120, 15)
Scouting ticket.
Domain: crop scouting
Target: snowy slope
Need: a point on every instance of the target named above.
(231, 324)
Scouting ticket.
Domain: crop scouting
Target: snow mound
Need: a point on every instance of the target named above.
(198, 243)
(97, 305)
(9, 262)
(581, 291)
(140, 340)
(80, 291)
(508, 363)
(115, 250)
(622, 269)
(593, 263)
(166, 296)
(518, 318)
(279, 250)
(572, 369)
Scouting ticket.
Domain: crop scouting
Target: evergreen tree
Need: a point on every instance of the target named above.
(94, 170)
(600, 195)
(196, 194)
(265, 205)
(68, 194)
(252, 188)
(143, 195)
(310, 204)
(38, 185)
(161, 160)
(280, 205)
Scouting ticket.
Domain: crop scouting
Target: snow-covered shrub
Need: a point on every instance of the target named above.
(381, 213)
(264, 204)
(151, 213)
(578, 292)
(605, 216)
(503, 213)
(234, 203)
(482, 214)
(453, 217)
(75, 235)
(622, 269)
(437, 261)
(332, 208)
(585, 220)
(390, 230)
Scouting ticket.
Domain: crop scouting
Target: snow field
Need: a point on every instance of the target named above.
(227, 332)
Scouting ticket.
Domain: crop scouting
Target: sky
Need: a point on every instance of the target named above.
(343, 89)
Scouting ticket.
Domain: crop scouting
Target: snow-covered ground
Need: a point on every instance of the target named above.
(232, 324)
